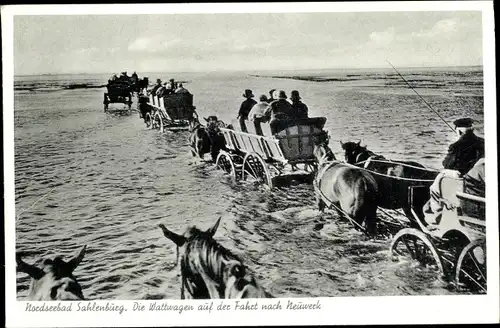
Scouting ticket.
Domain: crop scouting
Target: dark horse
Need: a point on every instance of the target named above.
(54, 280)
(393, 177)
(352, 190)
(208, 270)
(207, 139)
(360, 156)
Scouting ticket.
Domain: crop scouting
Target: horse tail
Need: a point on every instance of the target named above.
(364, 207)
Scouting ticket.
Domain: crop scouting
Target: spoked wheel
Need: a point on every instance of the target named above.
(255, 168)
(158, 122)
(148, 120)
(471, 267)
(225, 162)
(414, 244)
(310, 167)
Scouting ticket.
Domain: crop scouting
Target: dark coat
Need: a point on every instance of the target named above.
(246, 107)
(300, 110)
(279, 109)
(463, 154)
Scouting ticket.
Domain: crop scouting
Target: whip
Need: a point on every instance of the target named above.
(422, 98)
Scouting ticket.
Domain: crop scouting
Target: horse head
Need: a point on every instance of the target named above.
(194, 124)
(322, 152)
(54, 280)
(352, 150)
(208, 269)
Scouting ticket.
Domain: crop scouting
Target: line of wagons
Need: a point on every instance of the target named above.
(456, 250)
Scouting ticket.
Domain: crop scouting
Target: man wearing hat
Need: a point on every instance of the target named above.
(172, 85)
(271, 96)
(245, 108)
(467, 150)
(279, 109)
(158, 85)
(461, 158)
(299, 109)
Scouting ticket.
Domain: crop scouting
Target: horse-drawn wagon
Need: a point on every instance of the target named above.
(118, 92)
(286, 153)
(456, 246)
(173, 111)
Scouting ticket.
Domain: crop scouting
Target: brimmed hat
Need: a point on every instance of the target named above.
(463, 122)
(248, 94)
(158, 80)
(263, 98)
(171, 80)
(282, 95)
(295, 95)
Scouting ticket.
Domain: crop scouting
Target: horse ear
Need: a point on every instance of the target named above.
(206, 119)
(359, 142)
(177, 239)
(31, 270)
(213, 229)
(75, 261)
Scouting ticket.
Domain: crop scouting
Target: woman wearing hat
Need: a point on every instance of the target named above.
(257, 114)
(245, 108)
(300, 109)
(461, 157)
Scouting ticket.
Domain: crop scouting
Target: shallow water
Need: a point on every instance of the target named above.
(85, 177)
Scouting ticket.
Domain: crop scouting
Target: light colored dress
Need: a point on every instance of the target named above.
(258, 110)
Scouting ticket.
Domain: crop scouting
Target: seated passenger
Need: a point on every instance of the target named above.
(271, 96)
(157, 85)
(257, 114)
(160, 92)
(172, 85)
(279, 109)
(181, 89)
(462, 156)
(300, 109)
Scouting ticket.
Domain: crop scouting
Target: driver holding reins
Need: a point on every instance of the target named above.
(461, 158)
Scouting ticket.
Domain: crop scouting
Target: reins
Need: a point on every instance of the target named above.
(398, 163)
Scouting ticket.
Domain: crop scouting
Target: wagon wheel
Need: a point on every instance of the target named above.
(414, 243)
(310, 167)
(471, 266)
(255, 167)
(148, 120)
(158, 122)
(225, 162)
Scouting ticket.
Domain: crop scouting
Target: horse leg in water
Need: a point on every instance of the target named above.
(321, 204)
(361, 206)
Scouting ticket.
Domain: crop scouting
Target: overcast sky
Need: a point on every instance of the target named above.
(207, 42)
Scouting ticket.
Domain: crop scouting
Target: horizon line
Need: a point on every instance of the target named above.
(265, 70)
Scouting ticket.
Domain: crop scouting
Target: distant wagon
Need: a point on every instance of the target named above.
(174, 111)
(118, 92)
(286, 154)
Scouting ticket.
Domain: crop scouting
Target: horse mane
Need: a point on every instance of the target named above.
(212, 256)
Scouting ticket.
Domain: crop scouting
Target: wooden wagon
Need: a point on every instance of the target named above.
(456, 246)
(288, 153)
(171, 112)
(118, 92)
